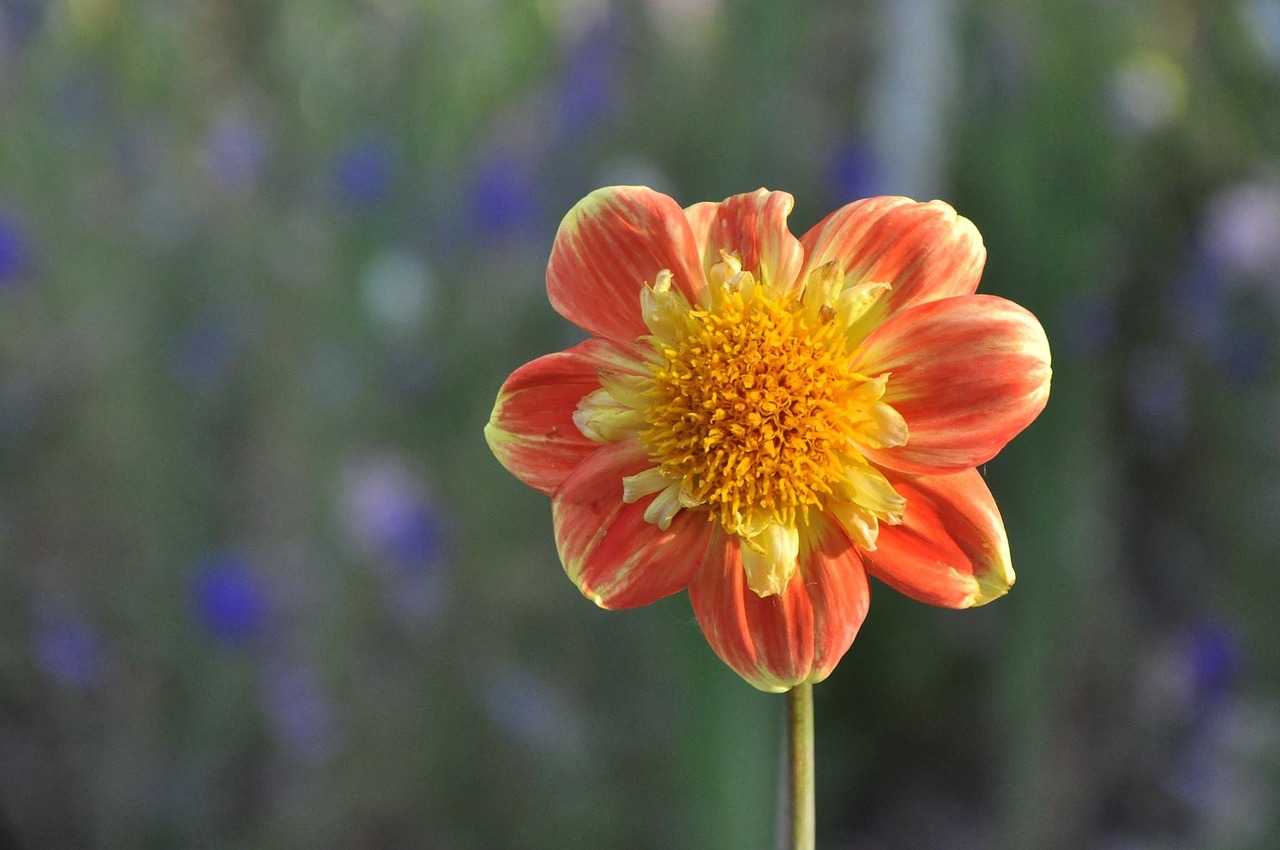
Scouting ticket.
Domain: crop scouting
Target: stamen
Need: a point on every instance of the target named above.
(753, 415)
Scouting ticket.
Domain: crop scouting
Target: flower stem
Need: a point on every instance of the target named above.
(800, 766)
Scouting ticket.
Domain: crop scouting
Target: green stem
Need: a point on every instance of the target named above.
(800, 766)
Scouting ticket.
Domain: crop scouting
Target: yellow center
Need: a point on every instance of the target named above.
(753, 407)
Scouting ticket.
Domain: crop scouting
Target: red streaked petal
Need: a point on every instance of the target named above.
(608, 550)
(531, 429)
(609, 245)
(836, 581)
(966, 373)
(950, 549)
(754, 225)
(777, 642)
(700, 216)
(924, 251)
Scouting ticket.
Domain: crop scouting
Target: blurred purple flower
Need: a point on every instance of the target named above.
(15, 252)
(389, 513)
(366, 171)
(299, 713)
(69, 652)
(235, 151)
(1242, 230)
(228, 598)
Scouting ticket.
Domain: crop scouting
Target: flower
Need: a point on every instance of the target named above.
(766, 420)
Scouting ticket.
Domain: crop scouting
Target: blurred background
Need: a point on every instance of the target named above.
(263, 267)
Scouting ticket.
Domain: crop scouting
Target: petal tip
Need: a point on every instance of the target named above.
(991, 586)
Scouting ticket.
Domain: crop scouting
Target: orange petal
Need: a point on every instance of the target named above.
(966, 373)
(616, 558)
(950, 549)
(924, 251)
(609, 245)
(531, 429)
(777, 642)
(754, 226)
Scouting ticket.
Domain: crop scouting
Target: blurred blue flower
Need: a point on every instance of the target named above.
(502, 197)
(587, 89)
(366, 171)
(853, 173)
(15, 252)
(69, 652)
(418, 538)
(228, 598)
(1214, 657)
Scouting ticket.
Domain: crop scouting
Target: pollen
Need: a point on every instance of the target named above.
(751, 406)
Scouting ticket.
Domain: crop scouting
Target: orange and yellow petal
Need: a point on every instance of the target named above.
(614, 555)
(950, 549)
(531, 430)
(967, 374)
(923, 251)
(777, 642)
(608, 246)
(753, 227)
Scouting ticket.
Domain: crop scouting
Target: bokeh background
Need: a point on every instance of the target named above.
(264, 265)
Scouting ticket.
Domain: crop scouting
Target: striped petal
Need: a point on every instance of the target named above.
(615, 557)
(967, 374)
(754, 226)
(950, 549)
(609, 245)
(924, 251)
(777, 642)
(700, 216)
(531, 430)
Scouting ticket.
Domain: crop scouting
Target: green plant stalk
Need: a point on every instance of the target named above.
(800, 766)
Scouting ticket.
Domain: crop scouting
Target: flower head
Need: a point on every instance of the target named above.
(766, 420)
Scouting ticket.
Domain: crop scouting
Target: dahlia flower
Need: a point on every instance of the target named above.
(766, 420)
